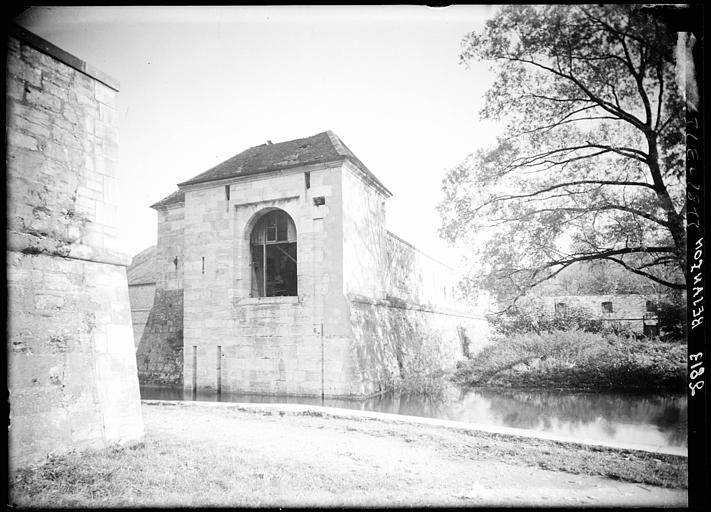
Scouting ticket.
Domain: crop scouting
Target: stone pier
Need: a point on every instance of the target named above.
(72, 377)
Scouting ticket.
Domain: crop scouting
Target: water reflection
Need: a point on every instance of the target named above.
(655, 420)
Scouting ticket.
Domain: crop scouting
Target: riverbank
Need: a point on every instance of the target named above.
(577, 360)
(212, 454)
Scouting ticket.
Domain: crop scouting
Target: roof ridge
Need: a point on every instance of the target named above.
(320, 148)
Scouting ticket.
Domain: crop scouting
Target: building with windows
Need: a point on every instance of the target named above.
(635, 311)
(275, 274)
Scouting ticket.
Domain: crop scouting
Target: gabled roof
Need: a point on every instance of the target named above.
(143, 268)
(320, 148)
(176, 197)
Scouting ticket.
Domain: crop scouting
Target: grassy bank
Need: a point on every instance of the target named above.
(577, 360)
(207, 456)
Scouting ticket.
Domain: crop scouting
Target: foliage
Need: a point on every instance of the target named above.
(672, 318)
(590, 166)
(519, 320)
(577, 359)
(599, 277)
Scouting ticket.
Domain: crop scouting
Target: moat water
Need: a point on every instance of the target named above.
(654, 420)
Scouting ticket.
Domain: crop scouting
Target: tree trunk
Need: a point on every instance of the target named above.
(675, 220)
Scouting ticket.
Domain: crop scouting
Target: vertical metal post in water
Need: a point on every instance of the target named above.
(322, 365)
(194, 370)
(219, 369)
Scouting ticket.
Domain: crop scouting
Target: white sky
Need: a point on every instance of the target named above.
(201, 84)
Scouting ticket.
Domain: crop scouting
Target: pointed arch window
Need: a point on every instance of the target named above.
(273, 248)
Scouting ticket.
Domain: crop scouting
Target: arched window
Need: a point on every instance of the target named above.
(273, 244)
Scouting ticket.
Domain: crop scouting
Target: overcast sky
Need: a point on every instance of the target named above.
(201, 84)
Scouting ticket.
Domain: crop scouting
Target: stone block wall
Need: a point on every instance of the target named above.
(394, 340)
(170, 258)
(159, 356)
(415, 277)
(627, 309)
(264, 344)
(159, 349)
(364, 237)
(71, 366)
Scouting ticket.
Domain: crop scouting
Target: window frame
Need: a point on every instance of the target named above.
(272, 230)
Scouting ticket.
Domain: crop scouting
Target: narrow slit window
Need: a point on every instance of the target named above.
(227, 192)
(203, 264)
(307, 180)
(273, 251)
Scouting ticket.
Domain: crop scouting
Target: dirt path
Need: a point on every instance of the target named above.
(304, 459)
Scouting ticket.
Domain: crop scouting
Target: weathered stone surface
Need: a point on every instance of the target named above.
(160, 352)
(323, 341)
(68, 313)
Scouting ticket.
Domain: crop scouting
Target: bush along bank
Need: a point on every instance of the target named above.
(576, 359)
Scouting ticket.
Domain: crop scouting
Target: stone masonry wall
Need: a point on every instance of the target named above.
(71, 366)
(626, 309)
(402, 315)
(159, 356)
(394, 340)
(415, 277)
(159, 353)
(264, 345)
(141, 299)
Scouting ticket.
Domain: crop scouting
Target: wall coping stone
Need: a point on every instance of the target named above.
(67, 58)
(404, 242)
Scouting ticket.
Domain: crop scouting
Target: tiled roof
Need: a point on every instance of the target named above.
(320, 148)
(143, 269)
(175, 198)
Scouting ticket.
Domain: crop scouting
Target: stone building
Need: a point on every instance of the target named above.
(275, 275)
(72, 380)
(635, 311)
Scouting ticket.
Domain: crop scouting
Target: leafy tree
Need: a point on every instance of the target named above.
(599, 277)
(590, 165)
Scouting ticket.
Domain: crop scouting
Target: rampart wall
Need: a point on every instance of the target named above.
(71, 364)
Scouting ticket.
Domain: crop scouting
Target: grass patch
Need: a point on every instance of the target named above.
(169, 472)
(624, 465)
(577, 360)
(153, 473)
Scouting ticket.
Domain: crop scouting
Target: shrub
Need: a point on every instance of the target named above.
(577, 359)
(672, 320)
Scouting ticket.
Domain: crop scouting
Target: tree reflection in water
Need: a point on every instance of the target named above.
(607, 413)
(631, 417)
